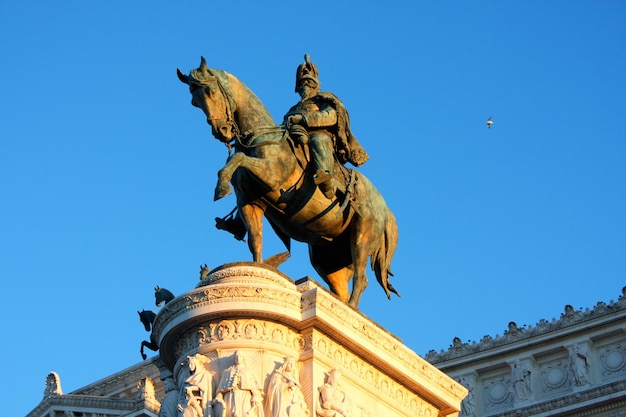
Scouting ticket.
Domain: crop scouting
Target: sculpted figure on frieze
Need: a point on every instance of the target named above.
(284, 397)
(191, 404)
(333, 400)
(522, 385)
(239, 394)
(580, 366)
(169, 406)
(196, 393)
(468, 405)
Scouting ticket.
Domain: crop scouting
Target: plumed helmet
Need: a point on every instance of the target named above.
(306, 71)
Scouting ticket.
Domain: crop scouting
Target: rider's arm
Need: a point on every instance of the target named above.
(326, 116)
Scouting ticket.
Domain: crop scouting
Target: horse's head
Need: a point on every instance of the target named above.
(192, 363)
(147, 318)
(204, 271)
(162, 295)
(208, 94)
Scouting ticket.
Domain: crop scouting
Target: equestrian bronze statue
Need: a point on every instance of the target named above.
(274, 175)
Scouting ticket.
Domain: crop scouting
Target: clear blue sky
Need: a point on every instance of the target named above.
(107, 172)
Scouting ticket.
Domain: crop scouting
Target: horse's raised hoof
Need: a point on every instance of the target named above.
(221, 191)
(144, 356)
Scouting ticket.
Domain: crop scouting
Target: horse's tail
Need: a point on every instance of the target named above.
(381, 259)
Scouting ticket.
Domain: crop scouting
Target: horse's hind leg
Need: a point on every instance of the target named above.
(335, 267)
(252, 216)
(338, 283)
(367, 232)
(359, 279)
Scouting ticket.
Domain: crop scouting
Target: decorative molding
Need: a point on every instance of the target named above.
(344, 317)
(246, 272)
(568, 318)
(573, 399)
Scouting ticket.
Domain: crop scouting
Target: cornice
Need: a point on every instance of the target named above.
(120, 381)
(569, 321)
(114, 406)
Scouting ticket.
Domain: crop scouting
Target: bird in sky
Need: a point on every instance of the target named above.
(489, 122)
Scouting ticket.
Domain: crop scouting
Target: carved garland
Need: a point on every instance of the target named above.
(241, 330)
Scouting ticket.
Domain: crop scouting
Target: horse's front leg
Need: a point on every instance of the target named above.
(150, 345)
(252, 216)
(269, 171)
(224, 175)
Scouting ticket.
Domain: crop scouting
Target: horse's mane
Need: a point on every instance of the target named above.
(149, 314)
(236, 88)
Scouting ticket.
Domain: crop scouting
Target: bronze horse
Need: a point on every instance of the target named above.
(272, 177)
(147, 319)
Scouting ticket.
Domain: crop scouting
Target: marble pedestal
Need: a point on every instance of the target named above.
(345, 364)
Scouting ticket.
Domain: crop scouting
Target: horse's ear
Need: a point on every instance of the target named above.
(182, 77)
(203, 66)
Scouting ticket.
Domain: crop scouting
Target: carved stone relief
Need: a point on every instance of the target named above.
(468, 405)
(284, 397)
(580, 364)
(252, 330)
(169, 406)
(53, 385)
(384, 386)
(555, 377)
(522, 375)
(333, 401)
(497, 393)
(232, 383)
(613, 360)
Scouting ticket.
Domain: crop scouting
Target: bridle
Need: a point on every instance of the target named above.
(245, 140)
(229, 115)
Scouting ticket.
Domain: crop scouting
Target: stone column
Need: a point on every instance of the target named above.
(296, 343)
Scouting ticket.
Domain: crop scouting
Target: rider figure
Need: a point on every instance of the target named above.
(323, 118)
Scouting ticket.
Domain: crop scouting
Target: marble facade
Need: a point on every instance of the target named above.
(249, 341)
(327, 359)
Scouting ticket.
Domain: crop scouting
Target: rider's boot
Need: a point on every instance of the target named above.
(323, 155)
(324, 180)
(234, 225)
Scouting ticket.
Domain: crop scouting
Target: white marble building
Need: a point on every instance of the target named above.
(572, 366)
